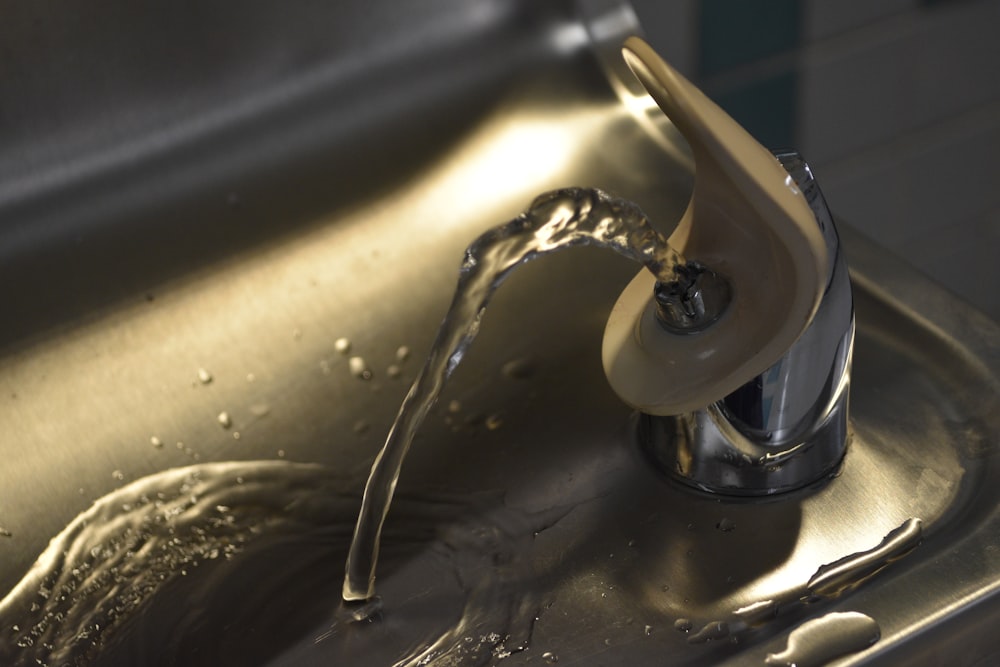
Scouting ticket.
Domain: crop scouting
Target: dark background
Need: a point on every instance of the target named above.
(895, 104)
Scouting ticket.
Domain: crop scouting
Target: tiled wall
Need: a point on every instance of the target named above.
(895, 103)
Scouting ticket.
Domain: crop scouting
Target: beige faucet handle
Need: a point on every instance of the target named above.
(748, 222)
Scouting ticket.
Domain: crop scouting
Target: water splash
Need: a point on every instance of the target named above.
(556, 220)
(247, 545)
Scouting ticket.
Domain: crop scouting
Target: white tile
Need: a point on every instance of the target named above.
(672, 29)
(824, 18)
(862, 90)
(919, 181)
(963, 258)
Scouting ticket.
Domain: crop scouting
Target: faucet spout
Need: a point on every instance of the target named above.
(740, 366)
(788, 426)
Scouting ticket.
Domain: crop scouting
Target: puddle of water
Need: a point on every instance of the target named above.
(820, 640)
(829, 581)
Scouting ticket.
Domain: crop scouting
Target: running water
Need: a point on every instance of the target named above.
(105, 591)
(555, 220)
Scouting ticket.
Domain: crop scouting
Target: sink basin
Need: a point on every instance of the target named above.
(208, 261)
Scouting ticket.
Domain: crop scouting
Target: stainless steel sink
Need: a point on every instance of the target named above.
(314, 184)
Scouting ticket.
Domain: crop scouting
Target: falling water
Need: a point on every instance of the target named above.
(555, 220)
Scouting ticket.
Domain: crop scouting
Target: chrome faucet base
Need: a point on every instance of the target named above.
(788, 427)
(704, 450)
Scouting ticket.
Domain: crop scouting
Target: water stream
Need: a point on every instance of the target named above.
(556, 220)
(106, 590)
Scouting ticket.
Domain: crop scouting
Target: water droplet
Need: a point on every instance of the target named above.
(648, 630)
(260, 409)
(393, 371)
(454, 406)
(281, 453)
(402, 353)
(118, 474)
(683, 625)
(236, 435)
(156, 442)
(359, 368)
(726, 525)
(631, 543)
(550, 657)
(180, 445)
(204, 376)
(519, 369)
(342, 345)
(493, 422)
(711, 631)
(5, 533)
(224, 419)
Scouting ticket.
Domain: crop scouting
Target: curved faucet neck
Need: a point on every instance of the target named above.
(787, 427)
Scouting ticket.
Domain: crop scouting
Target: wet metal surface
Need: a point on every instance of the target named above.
(139, 310)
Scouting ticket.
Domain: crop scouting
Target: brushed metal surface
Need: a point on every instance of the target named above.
(247, 244)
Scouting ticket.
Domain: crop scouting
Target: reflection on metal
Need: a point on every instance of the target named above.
(325, 217)
(821, 640)
(830, 581)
